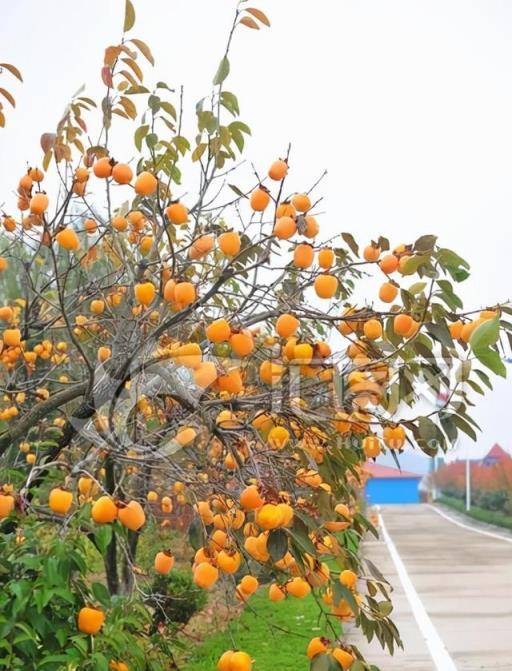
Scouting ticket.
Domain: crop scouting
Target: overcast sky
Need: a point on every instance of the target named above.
(407, 104)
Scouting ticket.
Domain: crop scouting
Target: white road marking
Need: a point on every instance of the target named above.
(507, 539)
(435, 645)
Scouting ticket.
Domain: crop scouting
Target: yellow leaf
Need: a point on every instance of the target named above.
(120, 113)
(128, 106)
(47, 158)
(129, 16)
(133, 65)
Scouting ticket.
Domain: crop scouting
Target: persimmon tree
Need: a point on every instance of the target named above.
(204, 347)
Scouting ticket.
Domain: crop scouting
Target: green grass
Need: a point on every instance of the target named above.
(275, 635)
(490, 516)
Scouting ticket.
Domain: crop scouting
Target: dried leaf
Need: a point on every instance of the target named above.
(250, 23)
(128, 106)
(8, 96)
(13, 70)
(111, 54)
(47, 141)
(120, 113)
(261, 16)
(144, 49)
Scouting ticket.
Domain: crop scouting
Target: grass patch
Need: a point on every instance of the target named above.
(490, 516)
(275, 634)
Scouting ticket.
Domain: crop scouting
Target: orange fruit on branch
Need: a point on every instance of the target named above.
(104, 510)
(60, 500)
(177, 213)
(131, 515)
(301, 202)
(389, 264)
(90, 620)
(303, 256)
(102, 168)
(388, 292)
(287, 325)
(278, 170)
(145, 293)
(68, 239)
(326, 285)
(146, 184)
(326, 258)
(164, 561)
(122, 173)
(230, 243)
(39, 203)
(260, 198)
(285, 227)
(218, 331)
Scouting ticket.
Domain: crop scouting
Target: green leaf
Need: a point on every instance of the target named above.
(195, 534)
(129, 16)
(140, 134)
(222, 71)
(230, 102)
(277, 544)
(412, 264)
(152, 140)
(234, 188)
(103, 537)
(169, 108)
(323, 662)
(101, 594)
(441, 333)
(448, 427)
(484, 335)
(462, 373)
(464, 426)
(417, 288)
(425, 243)
(492, 360)
(385, 607)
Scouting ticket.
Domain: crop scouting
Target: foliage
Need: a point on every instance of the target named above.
(44, 581)
(198, 348)
(175, 598)
(498, 518)
(491, 485)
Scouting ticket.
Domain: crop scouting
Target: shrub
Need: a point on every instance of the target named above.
(175, 598)
(44, 582)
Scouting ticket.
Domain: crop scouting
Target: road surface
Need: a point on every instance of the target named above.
(453, 591)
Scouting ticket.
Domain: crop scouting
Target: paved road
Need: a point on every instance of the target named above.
(461, 592)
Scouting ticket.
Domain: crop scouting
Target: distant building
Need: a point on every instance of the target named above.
(389, 485)
(496, 455)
